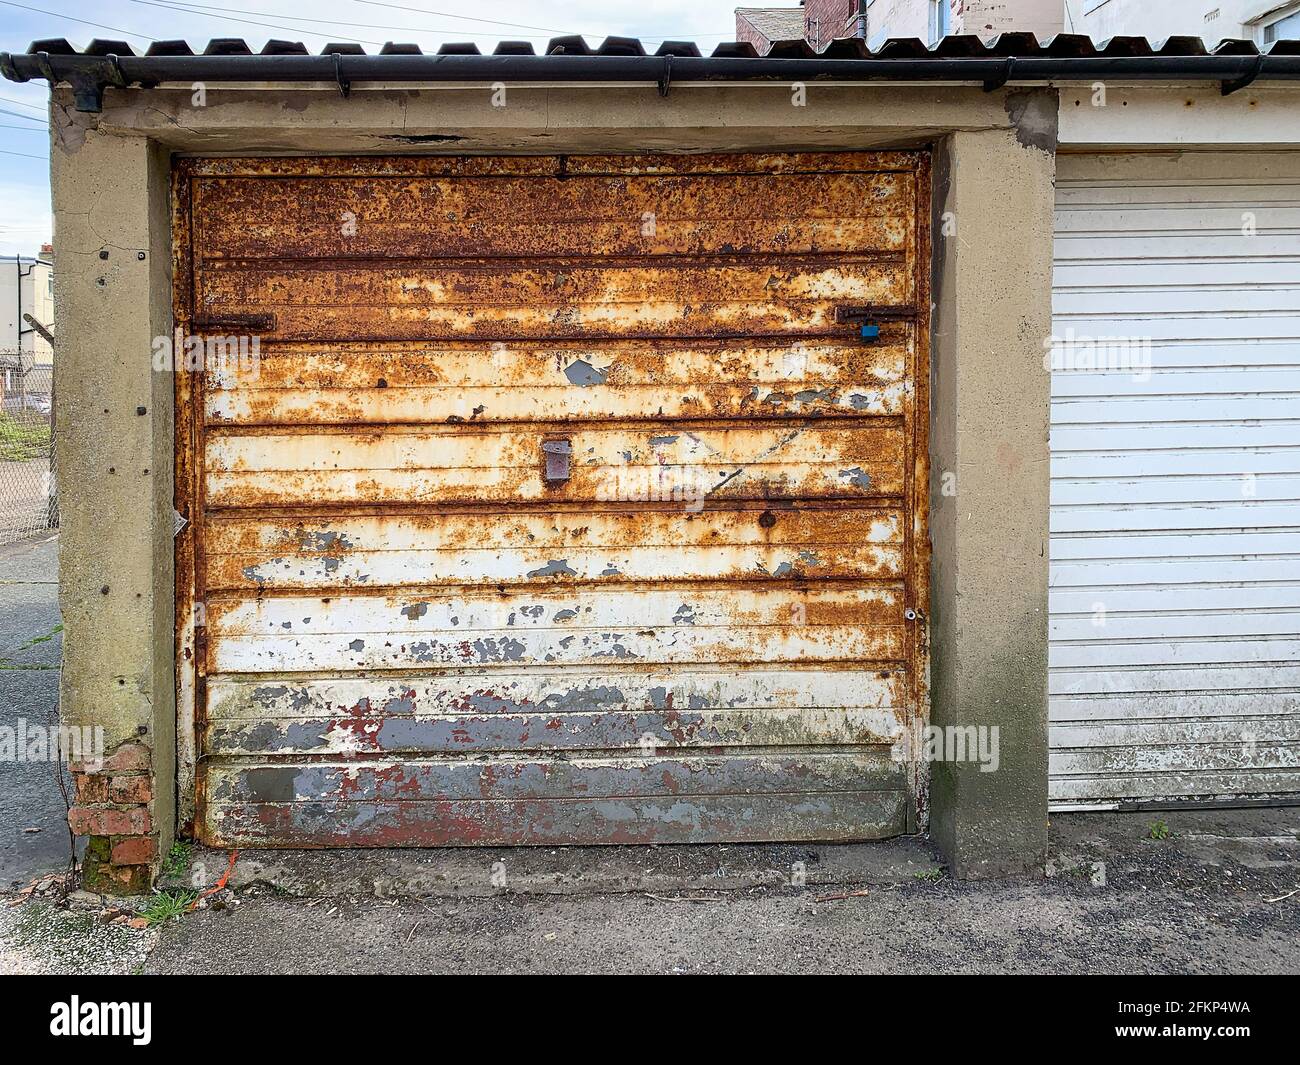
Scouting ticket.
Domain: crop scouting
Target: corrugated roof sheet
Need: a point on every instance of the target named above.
(1024, 45)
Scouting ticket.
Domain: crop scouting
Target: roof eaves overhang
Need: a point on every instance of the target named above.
(991, 63)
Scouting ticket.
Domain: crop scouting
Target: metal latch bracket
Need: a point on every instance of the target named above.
(557, 454)
(251, 323)
(868, 317)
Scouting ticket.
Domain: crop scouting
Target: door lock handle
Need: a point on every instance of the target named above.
(557, 454)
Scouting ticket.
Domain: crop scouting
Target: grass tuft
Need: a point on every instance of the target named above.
(167, 906)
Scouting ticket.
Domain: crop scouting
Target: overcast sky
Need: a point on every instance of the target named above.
(24, 167)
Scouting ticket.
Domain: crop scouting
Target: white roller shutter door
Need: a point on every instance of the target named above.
(1175, 548)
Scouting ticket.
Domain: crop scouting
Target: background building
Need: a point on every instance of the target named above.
(27, 287)
(760, 26)
(1261, 21)
(26, 357)
(27, 494)
(822, 21)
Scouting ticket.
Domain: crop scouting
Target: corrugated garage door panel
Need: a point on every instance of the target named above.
(413, 637)
(454, 464)
(455, 381)
(1175, 601)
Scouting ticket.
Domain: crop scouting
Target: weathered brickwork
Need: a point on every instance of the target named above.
(113, 807)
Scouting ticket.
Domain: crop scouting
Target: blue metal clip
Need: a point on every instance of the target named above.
(868, 317)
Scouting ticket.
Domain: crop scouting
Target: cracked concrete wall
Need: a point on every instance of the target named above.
(989, 601)
(114, 445)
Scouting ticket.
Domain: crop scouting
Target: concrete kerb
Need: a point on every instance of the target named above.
(480, 872)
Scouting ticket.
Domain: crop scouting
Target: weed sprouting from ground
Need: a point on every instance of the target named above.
(167, 906)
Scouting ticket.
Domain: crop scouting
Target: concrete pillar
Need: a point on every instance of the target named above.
(993, 207)
(114, 454)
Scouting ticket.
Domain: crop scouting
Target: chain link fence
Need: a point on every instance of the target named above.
(28, 499)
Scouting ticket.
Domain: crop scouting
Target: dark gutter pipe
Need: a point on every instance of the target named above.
(21, 274)
(90, 75)
(18, 321)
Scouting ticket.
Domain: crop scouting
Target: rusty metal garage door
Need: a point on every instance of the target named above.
(552, 500)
